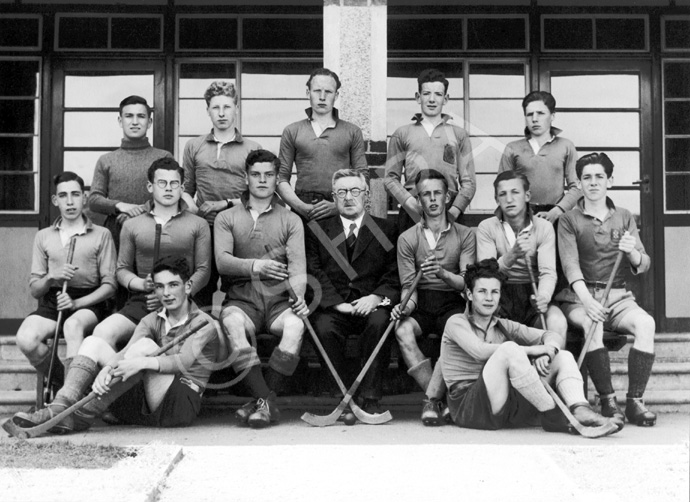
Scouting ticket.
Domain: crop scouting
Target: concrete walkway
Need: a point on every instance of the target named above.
(403, 460)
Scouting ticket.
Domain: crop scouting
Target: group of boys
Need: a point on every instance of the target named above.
(230, 213)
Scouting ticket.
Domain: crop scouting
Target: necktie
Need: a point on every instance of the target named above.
(351, 239)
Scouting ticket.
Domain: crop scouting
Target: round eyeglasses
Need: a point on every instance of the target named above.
(164, 183)
(342, 193)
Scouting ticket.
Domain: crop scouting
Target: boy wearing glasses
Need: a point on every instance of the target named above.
(259, 246)
(358, 280)
(183, 234)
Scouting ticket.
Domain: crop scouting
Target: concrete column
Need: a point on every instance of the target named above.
(355, 45)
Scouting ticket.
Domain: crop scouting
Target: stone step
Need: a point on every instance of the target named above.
(9, 352)
(658, 401)
(667, 346)
(665, 376)
(17, 377)
(14, 401)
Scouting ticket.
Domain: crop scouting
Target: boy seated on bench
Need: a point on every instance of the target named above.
(161, 391)
(590, 236)
(492, 366)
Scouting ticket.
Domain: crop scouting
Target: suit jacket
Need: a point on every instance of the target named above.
(372, 269)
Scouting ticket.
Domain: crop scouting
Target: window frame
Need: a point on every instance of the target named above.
(663, 33)
(109, 16)
(593, 17)
(32, 48)
(36, 137)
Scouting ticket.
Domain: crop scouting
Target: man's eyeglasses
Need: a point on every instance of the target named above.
(342, 193)
(164, 183)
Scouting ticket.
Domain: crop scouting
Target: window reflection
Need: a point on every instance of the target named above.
(596, 91)
(269, 117)
(496, 117)
(82, 163)
(93, 129)
(497, 81)
(105, 91)
(600, 129)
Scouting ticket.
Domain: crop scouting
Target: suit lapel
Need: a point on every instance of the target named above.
(337, 236)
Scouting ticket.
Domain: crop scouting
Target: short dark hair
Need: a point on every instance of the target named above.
(221, 88)
(430, 174)
(510, 175)
(325, 72)
(594, 158)
(174, 264)
(432, 75)
(135, 100)
(543, 96)
(167, 164)
(68, 176)
(256, 156)
(485, 269)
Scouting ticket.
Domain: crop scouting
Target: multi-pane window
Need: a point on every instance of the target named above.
(108, 32)
(485, 99)
(90, 118)
(20, 32)
(676, 110)
(20, 104)
(591, 33)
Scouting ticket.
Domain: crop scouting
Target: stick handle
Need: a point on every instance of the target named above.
(370, 361)
(157, 245)
(534, 288)
(604, 301)
(56, 336)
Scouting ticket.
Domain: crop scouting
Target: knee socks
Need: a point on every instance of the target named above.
(83, 371)
(437, 386)
(599, 366)
(639, 369)
(531, 388)
(421, 372)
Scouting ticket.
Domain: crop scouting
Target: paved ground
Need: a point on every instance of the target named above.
(403, 460)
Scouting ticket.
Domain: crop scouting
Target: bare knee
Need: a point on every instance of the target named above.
(141, 348)
(405, 336)
(73, 331)
(564, 358)
(28, 339)
(511, 354)
(233, 321)
(645, 327)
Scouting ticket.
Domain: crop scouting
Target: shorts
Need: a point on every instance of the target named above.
(47, 304)
(179, 408)
(135, 309)
(434, 308)
(470, 407)
(262, 305)
(621, 302)
(516, 305)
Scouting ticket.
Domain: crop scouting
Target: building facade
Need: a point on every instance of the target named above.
(620, 72)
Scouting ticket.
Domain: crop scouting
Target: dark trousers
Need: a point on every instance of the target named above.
(333, 328)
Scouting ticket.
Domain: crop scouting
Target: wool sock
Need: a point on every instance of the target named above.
(639, 369)
(531, 388)
(83, 372)
(437, 386)
(599, 366)
(421, 372)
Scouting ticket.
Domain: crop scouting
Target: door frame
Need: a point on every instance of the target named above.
(642, 67)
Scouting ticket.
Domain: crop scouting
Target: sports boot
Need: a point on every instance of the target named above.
(609, 407)
(266, 412)
(584, 414)
(554, 421)
(242, 414)
(431, 413)
(27, 420)
(637, 413)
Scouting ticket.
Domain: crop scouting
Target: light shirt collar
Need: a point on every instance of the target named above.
(347, 222)
(163, 314)
(318, 131)
(255, 214)
(66, 235)
(511, 237)
(535, 145)
(428, 126)
(431, 238)
(219, 143)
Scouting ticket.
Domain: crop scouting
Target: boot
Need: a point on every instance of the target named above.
(637, 413)
(27, 420)
(584, 414)
(609, 407)
(266, 412)
(554, 421)
(431, 413)
(242, 414)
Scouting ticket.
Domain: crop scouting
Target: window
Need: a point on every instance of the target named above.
(207, 32)
(90, 118)
(452, 33)
(20, 106)
(20, 32)
(590, 33)
(485, 99)
(105, 32)
(676, 74)
(675, 33)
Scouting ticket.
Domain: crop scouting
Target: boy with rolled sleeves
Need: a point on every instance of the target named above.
(259, 245)
(442, 250)
(590, 237)
(90, 276)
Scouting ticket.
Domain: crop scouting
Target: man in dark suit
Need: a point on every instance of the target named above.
(353, 258)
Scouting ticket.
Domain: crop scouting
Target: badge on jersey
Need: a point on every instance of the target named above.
(616, 234)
